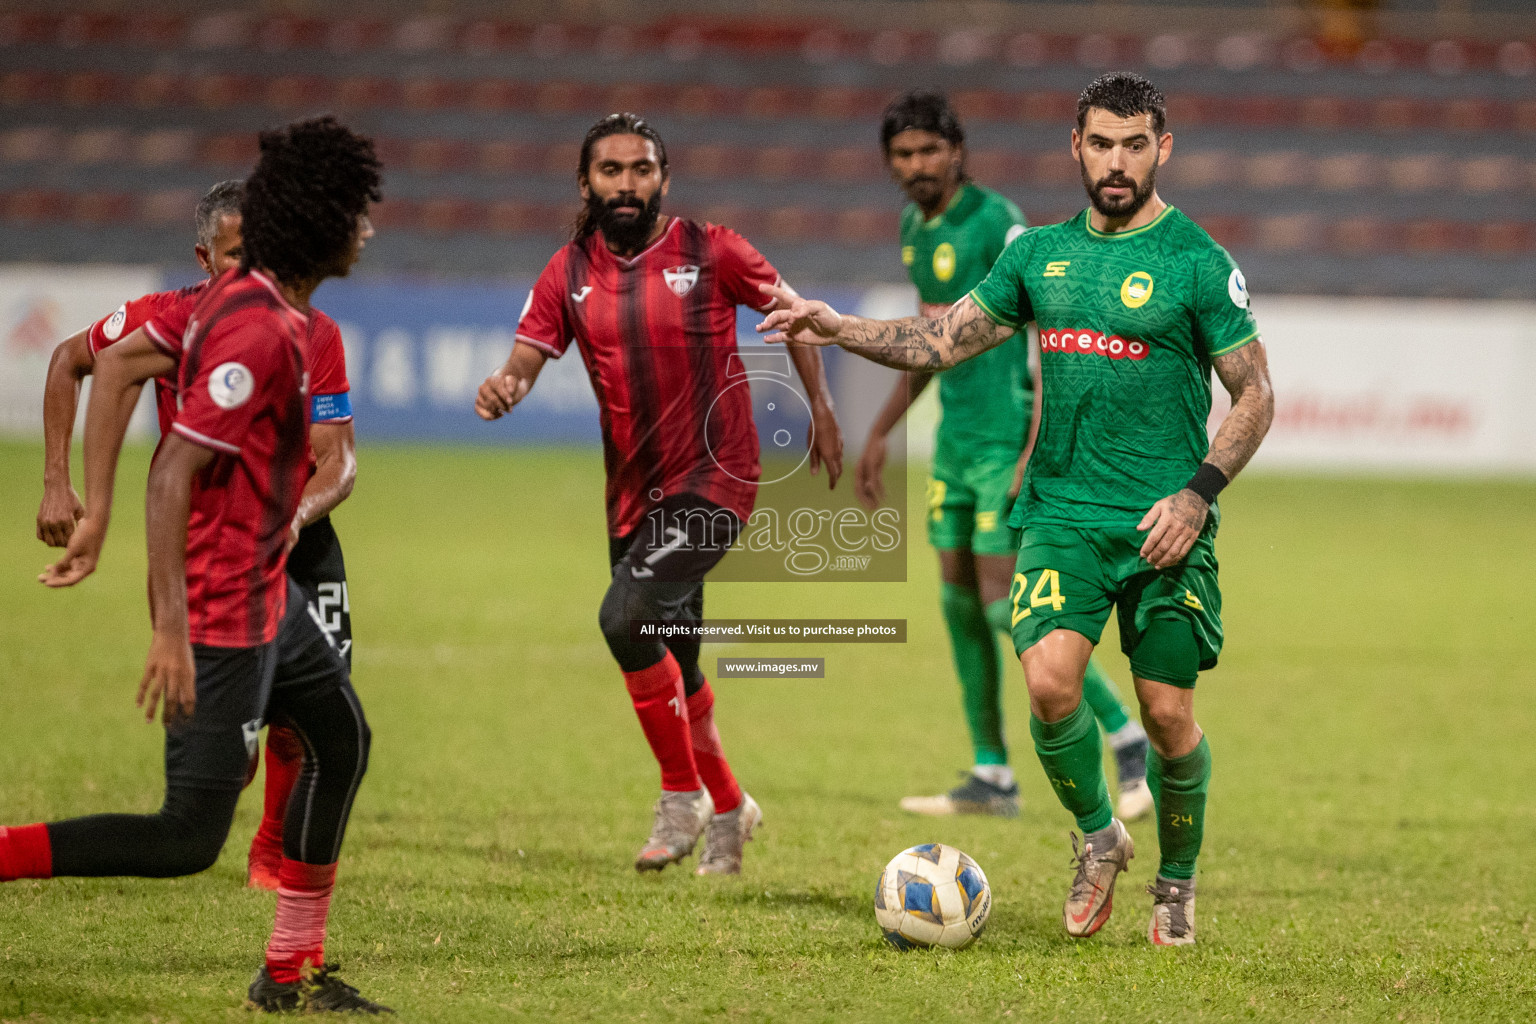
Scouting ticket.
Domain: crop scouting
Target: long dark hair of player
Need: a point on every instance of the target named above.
(613, 124)
(299, 217)
(926, 112)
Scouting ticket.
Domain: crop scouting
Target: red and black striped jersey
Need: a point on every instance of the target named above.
(164, 316)
(657, 333)
(243, 395)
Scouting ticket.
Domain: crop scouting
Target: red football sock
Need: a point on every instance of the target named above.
(708, 754)
(25, 852)
(657, 693)
(298, 934)
(285, 760)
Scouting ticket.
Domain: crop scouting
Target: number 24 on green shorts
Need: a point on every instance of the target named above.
(1070, 577)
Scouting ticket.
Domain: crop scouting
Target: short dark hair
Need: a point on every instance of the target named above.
(313, 181)
(614, 124)
(219, 202)
(925, 111)
(1124, 93)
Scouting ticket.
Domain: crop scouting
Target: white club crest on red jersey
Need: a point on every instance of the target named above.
(681, 279)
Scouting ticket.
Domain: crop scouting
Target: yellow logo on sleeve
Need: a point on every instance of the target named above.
(1136, 289)
(944, 261)
(908, 255)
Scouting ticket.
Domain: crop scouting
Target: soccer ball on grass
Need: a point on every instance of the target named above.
(932, 895)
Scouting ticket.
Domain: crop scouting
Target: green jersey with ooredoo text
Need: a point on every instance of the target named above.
(985, 399)
(1129, 323)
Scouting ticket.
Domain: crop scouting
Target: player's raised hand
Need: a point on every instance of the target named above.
(869, 473)
(80, 557)
(169, 673)
(1175, 524)
(58, 514)
(499, 393)
(802, 321)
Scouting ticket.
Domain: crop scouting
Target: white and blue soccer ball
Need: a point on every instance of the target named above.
(932, 895)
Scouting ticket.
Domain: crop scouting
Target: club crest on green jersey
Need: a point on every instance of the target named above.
(1136, 289)
(944, 261)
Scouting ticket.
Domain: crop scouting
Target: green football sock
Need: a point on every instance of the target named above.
(1178, 790)
(976, 663)
(1100, 693)
(1073, 758)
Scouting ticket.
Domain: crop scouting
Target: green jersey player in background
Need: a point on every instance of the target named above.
(1135, 306)
(951, 232)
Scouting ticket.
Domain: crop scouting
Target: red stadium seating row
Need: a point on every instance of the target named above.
(296, 93)
(857, 226)
(1264, 170)
(686, 40)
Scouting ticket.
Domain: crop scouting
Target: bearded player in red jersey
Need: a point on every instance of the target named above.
(315, 563)
(651, 304)
(233, 641)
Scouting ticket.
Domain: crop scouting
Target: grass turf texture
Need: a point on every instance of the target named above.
(1371, 812)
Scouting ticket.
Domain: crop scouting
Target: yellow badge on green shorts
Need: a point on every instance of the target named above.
(944, 261)
(908, 255)
(1136, 289)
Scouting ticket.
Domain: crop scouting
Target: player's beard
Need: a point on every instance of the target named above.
(626, 233)
(1141, 191)
(924, 190)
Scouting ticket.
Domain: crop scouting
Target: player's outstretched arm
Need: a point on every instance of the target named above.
(168, 671)
(911, 343)
(61, 508)
(1176, 521)
(120, 373)
(511, 383)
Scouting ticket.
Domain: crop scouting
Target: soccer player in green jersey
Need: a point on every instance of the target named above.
(951, 232)
(1135, 305)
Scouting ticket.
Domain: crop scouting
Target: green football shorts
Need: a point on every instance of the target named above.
(968, 499)
(1068, 578)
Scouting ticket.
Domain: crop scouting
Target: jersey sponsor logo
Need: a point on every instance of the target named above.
(1013, 232)
(681, 279)
(1237, 288)
(944, 261)
(1086, 342)
(230, 385)
(1193, 601)
(908, 255)
(1056, 268)
(1136, 289)
(580, 296)
(114, 325)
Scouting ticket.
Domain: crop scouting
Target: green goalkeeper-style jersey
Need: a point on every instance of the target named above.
(985, 399)
(1129, 324)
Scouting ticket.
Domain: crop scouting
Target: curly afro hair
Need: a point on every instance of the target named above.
(313, 181)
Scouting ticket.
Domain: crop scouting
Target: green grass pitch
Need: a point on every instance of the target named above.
(1368, 851)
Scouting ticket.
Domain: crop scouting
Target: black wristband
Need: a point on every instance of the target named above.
(1207, 482)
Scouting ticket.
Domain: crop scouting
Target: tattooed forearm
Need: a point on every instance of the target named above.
(1245, 374)
(923, 343)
